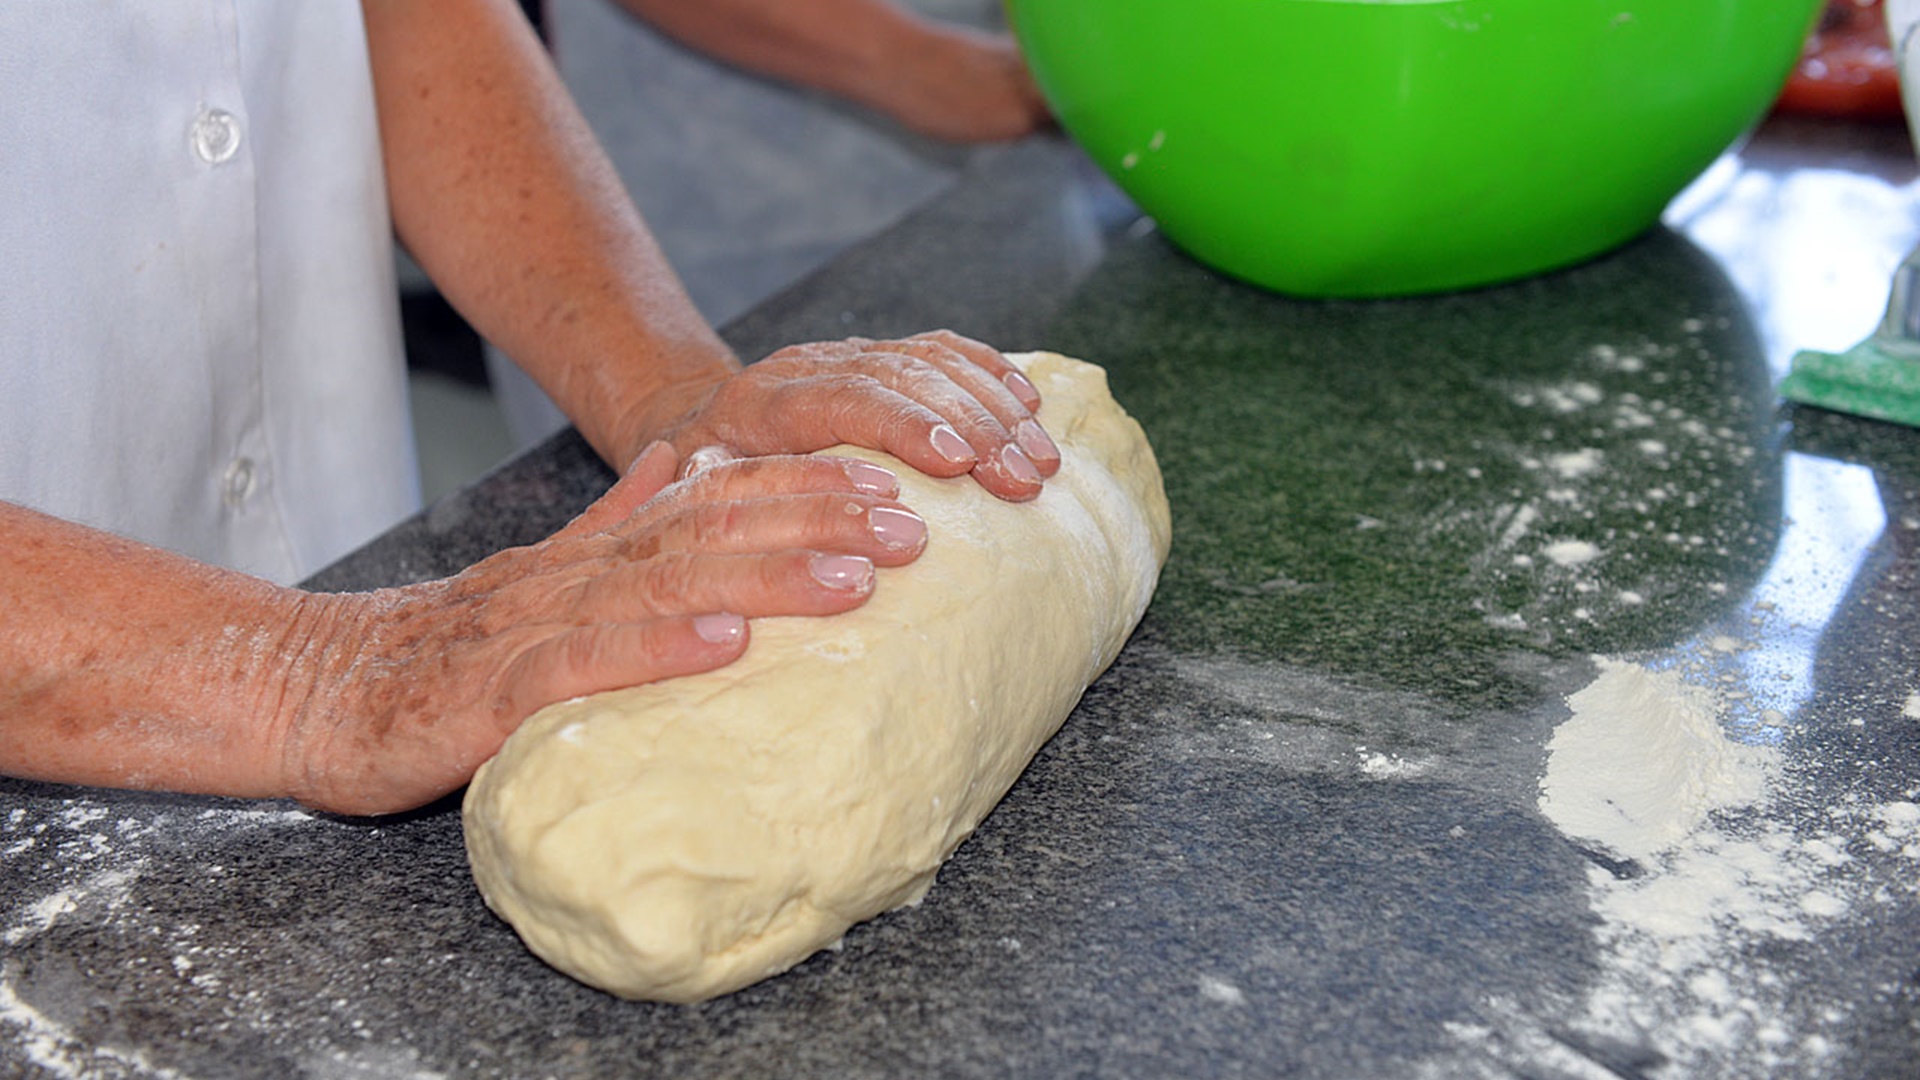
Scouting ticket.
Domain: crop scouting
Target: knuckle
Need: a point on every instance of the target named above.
(902, 363)
(835, 474)
(638, 546)
(960, 344)
(666, 584)
(760, 477)
(739, 388)
(705, 459)
(582, 652)
(850, 412)
(837, 517)
(783, 575)
(716, 483)
(722, 524)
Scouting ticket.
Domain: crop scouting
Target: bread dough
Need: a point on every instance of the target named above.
(683, 839)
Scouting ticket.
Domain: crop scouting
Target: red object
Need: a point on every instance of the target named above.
(1848, 68)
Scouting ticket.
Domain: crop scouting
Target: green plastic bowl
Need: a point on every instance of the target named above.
(1385, 147)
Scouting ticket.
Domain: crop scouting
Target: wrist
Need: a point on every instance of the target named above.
(666, 412)
(315, 690)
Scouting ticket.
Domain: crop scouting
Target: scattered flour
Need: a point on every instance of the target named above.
(1701, 872)
(1577, 463)
(1563, 398)
(1571, 552)
(1896, 827)
(1220, 991)
(112, 855)
(1518, 523)
(39, 1038)
(1608, 460)
(55, 1050)
(1727, 644)
(1388, 766)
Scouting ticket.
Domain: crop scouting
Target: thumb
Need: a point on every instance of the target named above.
(649, 474)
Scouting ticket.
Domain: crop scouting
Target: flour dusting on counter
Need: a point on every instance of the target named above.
(1571, 552)
(1708, 861)
(50, 1047)
(114, 855)
(1613, 494)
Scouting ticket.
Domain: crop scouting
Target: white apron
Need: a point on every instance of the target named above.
(199, 333)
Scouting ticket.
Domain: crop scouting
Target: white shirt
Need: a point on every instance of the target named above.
(199, 330)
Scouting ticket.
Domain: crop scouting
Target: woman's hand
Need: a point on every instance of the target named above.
(415, 687)
(942, 403)
(962, 86)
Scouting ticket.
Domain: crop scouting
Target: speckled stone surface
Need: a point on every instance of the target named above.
(1295, 830)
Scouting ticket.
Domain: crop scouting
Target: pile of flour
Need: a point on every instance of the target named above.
(1642, 762)
(1707, 859)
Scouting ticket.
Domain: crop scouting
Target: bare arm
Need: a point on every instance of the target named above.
(125, 666)
(500, 191)
(122, 665)
(945, 81)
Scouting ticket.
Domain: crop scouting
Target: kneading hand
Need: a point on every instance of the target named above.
(416, 686)
(942, 403)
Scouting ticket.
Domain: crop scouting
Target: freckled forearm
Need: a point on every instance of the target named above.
(125, 666)
(937, 78)
(499, 189)
(844, 47)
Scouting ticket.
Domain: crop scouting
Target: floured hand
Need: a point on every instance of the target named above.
(942, 403)
(414, 687)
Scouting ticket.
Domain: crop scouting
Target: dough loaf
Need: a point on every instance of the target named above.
(683, 839)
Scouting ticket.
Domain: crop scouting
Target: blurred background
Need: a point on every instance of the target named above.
(750, 184)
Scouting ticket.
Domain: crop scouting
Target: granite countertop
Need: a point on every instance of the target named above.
(1297, 828)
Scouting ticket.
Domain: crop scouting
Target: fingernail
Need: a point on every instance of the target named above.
(1018, 465)
(1035, 441)
(848, 573)
(897, 529)
(872, 479)
(948, 444)
(1022, 388)
(719, 629)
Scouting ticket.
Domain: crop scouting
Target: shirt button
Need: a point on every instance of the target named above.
(238, 482)
(215, 135)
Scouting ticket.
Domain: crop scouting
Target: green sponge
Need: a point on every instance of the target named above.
(1880, 377)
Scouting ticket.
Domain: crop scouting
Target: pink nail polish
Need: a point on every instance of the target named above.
(848, 573)
(1022, 388)
(897, 529)
(1035, 441)
(1018, 465)
(721, 629)
(948, 444)
(872, 479)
